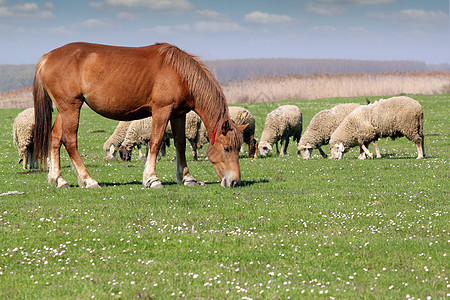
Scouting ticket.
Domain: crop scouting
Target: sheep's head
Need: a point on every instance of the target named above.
(110, 153)
(305, 151)
(125, 154)
(264, 148)
(337, 151)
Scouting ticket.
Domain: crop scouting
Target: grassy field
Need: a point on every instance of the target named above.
(372, 229)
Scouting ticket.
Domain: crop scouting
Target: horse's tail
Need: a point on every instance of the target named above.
(42, 117)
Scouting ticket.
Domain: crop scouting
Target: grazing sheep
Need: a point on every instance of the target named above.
(394, 117)
(322, 125)
(282, 123)
(242, 116)
(23, 136)
(139, 133)
(115, 140)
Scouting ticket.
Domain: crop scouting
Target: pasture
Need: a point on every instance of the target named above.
(314, 229)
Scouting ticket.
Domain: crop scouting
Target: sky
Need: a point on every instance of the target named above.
(228, 29)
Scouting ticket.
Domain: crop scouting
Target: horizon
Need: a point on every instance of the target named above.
(376, 30)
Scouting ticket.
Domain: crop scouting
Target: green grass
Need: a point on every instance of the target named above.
(345, 229)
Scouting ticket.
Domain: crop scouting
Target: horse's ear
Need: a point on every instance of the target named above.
(226, 127)
(242, 127)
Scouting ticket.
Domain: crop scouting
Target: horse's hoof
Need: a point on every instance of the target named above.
(93, 186)
(61, 183)
(194, 182)
(153, 183)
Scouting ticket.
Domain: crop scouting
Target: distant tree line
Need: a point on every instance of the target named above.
(15, 77)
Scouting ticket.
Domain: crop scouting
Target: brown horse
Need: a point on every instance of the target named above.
(127, 83)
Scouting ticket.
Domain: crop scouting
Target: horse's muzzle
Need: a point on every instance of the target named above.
(230, 181)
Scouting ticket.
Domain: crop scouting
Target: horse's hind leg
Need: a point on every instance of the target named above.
(179, 136)
(54, 175)
(69, 121)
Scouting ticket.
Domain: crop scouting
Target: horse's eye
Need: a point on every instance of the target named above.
(226, 149)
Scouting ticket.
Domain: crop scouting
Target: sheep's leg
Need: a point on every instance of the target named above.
(253, 148)
(194, 149)
(420, 149)
(362, 155)
(159, 124)
(276, 146)
(324, 155)
(284, 147)
(368, 153)
(70, 122)
(179, 136)
(25, 159)
(163, 148)
(141, 154)
(377, 149)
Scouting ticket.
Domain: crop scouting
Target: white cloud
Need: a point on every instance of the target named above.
(167, 30)
(93, 23)
(258, 17)
(413, 15)
(324, 29)
(160, 5)
(336, 7)
(25, 11)
(127, 16)
(215, 27)
(212, 14)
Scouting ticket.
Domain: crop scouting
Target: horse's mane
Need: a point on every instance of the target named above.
(202, 84)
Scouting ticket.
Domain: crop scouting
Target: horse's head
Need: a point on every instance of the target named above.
(223, 152)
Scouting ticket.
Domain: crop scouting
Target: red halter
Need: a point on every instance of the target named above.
(213, 139)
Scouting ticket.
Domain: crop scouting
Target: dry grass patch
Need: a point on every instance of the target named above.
(299, 87)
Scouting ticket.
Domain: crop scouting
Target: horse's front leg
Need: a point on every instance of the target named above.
(179, 136)
(160, 119)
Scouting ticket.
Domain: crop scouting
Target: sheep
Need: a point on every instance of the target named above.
(394, 117)
(23, 137)
(322, 125)
(282, 123)
(139, 132)
(242, 116)
(115, 140)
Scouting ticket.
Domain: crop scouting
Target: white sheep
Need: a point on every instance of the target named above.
(322, 125)
(139, 133)
(115, 140)
(281, 124)
(394, 117)
(23, 136)
(242, 116)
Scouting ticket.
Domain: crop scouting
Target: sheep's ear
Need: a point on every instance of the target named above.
(112, 149)
(341, 147)
(308, 146)
(301, 147)
(242, 127)
(226, 127)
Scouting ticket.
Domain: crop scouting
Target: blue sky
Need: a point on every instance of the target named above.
(351, 29)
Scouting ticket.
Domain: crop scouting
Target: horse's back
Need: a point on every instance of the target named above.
(122, 83)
